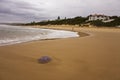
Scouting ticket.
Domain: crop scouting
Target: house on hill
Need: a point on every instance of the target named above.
(98, 17)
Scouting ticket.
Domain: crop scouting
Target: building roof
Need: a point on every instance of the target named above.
(98, 15)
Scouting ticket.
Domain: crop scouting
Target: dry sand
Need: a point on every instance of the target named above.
(94, 57)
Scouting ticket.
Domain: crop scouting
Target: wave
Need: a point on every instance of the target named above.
(18, 34)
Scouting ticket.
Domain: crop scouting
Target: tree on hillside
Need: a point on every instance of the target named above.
(58, 18)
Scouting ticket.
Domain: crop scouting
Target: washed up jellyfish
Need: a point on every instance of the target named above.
(44, 59)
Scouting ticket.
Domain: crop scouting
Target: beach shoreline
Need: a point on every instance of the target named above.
(40, 34)
(94, 56)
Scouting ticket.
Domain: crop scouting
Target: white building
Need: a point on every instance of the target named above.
(98, 17)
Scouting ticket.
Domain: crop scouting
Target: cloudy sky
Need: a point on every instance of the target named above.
(37, 10)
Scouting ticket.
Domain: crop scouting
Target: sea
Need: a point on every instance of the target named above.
(18, 34)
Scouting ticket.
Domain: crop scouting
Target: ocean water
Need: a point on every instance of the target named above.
(18, 34)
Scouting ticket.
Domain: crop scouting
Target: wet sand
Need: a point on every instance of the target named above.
(93, 57)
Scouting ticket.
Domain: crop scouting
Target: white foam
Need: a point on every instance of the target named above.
(40, 35)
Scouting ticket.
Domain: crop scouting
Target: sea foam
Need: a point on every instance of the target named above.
(18, 34)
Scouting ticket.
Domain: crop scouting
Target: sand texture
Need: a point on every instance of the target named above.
(93, 57)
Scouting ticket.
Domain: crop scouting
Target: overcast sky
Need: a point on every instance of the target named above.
(37, 10)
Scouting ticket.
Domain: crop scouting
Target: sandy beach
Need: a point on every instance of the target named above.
(90, 57)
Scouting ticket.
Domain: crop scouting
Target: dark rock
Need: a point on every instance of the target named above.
(44, 59)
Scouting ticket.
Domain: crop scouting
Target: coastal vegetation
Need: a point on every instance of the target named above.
(59, 21)
(79, 21)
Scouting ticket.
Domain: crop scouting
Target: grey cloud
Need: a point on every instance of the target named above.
(20, 10)
(29, 10)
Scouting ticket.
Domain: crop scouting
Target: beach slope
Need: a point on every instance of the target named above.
(94, 57)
